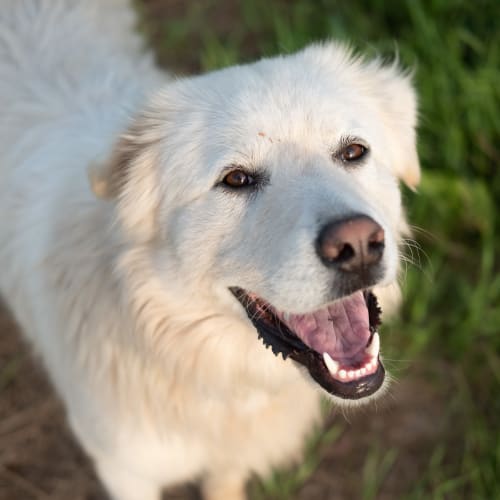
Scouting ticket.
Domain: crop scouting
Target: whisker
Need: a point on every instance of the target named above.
(425, 232)
(415, 249)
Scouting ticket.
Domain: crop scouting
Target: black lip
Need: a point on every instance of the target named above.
(356, 389)
(276, 335)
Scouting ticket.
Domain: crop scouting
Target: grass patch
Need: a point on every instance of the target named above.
(9, 371)
(283, 484)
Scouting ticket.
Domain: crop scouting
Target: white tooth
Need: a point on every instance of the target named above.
(363, 371)
(342, 374)
(352, 374)
(358, 373)
(332, 365)
(286, 316)
(374, 347)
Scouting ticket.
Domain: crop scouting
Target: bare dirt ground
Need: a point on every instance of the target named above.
(39, 459)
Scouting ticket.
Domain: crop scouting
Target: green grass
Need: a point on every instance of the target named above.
(281, 485)
(452, 291)
(9, 371)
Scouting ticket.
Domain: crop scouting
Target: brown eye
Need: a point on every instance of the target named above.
(238, 178)
(353, 152)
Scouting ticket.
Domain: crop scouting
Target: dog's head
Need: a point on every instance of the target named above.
(274, 187)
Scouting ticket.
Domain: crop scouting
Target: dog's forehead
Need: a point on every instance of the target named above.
(276, 101)
(289, 99)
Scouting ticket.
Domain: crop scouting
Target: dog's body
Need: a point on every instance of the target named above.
(126, 298)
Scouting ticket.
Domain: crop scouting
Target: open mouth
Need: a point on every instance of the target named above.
(338, 344)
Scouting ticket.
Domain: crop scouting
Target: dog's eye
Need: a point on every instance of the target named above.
(353, 152)
(238, 178)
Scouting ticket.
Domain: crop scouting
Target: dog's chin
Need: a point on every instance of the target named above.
(337, 344)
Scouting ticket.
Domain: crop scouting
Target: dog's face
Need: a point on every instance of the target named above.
(274, 188)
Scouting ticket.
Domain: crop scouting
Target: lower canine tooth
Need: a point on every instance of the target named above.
(374, 347)
(332, 365)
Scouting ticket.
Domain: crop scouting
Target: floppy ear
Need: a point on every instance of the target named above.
(399, 108)
(130, 176)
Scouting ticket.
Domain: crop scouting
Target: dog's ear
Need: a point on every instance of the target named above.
(398, 105)
(130, 177)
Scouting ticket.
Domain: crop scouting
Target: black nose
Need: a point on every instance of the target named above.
(354, 244)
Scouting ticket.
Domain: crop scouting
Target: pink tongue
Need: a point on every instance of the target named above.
(341, 329)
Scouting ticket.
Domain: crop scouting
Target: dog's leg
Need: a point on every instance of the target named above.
(122, 484)
(224, 487)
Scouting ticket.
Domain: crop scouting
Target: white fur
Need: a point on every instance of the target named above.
(126, 297)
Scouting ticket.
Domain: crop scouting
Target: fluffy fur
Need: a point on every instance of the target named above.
(125, 295)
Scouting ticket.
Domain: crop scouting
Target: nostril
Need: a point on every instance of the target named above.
(374, 245)
(376, 242)
(345, 254)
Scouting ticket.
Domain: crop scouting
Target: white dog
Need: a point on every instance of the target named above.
(252, 207)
